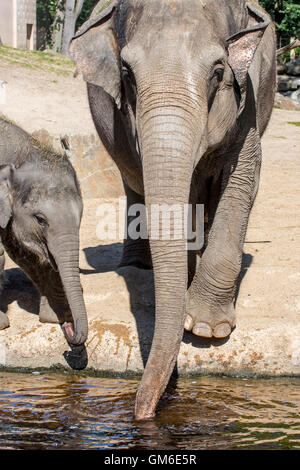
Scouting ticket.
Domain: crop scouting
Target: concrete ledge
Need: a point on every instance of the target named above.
(123, 346)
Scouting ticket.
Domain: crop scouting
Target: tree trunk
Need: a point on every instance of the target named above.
(293, 52)
(295, 43)
(72, 11)
(58, 27)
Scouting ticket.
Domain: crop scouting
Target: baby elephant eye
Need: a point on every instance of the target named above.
(40, 220)
(219, 73)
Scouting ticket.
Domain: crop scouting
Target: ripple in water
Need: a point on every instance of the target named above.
(66, 411)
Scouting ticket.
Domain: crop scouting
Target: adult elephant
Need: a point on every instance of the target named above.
(181, 93)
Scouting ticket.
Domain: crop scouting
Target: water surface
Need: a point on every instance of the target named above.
(67, 411)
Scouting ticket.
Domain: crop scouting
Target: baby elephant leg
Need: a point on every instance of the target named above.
(4, 322)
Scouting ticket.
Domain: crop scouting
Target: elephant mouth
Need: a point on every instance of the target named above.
(51, 260)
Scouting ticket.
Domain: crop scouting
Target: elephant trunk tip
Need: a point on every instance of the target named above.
(144, 411)
(146, 401)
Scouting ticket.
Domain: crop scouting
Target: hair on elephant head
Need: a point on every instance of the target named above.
(177, 75)
(40, 215)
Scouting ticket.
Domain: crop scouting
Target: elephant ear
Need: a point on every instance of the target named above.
(6, 172)
(242, 47)
(95, 52)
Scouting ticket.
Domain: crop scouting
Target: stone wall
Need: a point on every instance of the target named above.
(26, 15)
(97, 173)
(6, 22)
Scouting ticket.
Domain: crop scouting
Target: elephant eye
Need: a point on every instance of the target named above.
(219, 73)
(126, 69)
(40, 220)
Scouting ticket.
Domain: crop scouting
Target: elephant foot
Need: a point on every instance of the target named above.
(48, 314)
(208, 321)
(4, 321)
(136, 253)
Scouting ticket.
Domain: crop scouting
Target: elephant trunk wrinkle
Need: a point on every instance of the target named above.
(66, 253)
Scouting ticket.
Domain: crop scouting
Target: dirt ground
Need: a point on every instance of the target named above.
(37, 98)
(119, 302)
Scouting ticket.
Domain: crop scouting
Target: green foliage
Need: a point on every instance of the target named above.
(290, 23)
(87, 8)
(286, 14)
(286, 57)
(45, 13)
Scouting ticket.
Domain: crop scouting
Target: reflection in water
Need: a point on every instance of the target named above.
(66, 411)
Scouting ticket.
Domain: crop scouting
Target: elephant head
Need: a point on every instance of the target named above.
(178, 71)
(40, 215)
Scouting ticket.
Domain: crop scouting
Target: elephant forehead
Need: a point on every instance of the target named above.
(157, 14)
(56, 208)
(209, 19)
(34, 186)
(66, 210)
(172, 8)
(161, 26)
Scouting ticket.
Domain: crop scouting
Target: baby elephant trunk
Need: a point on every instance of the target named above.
(65, 251)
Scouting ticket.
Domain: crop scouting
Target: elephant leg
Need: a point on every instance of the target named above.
(136, 251)
(46, 313)
(210, 298)
(4, 321)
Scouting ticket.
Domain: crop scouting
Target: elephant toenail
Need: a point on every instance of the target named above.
(188, 323)
(202, 329)
(222, 330)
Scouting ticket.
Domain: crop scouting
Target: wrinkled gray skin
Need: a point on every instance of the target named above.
(40, 214)
(181, 93)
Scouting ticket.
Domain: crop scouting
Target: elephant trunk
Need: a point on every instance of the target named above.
(65, 251)
(167, 146)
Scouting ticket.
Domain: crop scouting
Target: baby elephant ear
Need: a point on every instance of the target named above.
(95, 53)
(242, 47)
(6, 172)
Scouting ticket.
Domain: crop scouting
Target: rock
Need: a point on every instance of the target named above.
(293, 68)
(295, 84)
(97, 173)
(295, 96)
(283, 83)
(281, 69)
(283, 102)
(287, 82)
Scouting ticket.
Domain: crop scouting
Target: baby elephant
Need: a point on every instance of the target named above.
(40, 215)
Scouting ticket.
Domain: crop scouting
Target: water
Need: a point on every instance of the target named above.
(67, 411)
